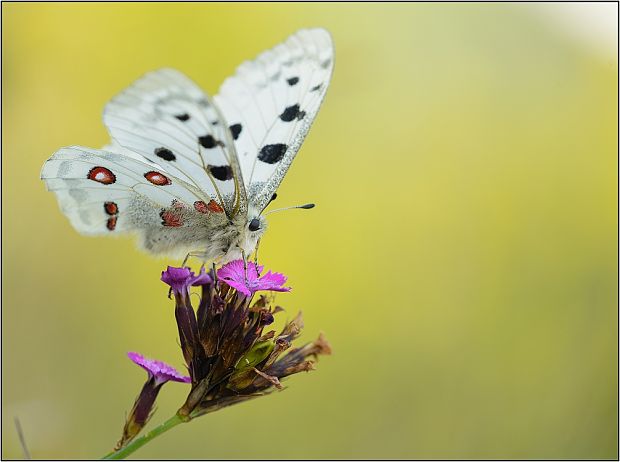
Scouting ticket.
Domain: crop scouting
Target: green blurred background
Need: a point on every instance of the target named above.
(461, 260)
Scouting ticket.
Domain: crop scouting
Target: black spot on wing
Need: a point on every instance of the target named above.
(209, 142)
(292, 81)
(222, 172)
(235, 130)
(318, 87)
(272, 153)
(182, 117)
(165, 154)
(291, 113)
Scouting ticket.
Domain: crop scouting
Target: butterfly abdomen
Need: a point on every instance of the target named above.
(180, 228)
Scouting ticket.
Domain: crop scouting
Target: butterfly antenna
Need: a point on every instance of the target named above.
(305, 207)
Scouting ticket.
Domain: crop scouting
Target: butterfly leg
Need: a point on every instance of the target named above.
(245, 265)
(197, 254)
(256, 252)
(189, 254)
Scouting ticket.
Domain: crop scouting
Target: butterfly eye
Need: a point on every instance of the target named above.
(254, 224)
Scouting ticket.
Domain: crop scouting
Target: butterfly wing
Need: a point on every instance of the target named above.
(169, 120)
(270, 104)
(179, 166)
(105, 192)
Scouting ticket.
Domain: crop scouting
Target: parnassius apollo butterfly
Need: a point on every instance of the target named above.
(191, 174)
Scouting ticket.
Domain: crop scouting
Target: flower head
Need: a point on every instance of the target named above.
(180, 279)
(229, 354)
(159, 370)
(232, 273)
(143, 408)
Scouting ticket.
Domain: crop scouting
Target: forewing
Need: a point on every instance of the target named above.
(169, 120)
(270, 104)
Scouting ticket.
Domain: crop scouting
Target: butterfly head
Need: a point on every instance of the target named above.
(244, 233)
(255, 225)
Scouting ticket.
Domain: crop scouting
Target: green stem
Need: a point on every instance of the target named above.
(139, 442)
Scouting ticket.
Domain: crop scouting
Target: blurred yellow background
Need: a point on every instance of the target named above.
(461, 260)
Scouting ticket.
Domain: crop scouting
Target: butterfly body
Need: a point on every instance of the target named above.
(187, 173)
(207, 237)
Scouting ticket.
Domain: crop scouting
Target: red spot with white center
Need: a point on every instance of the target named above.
(201, 207)
(101, 175)
(111, 224)
(157, 178)
(110, 208)
(171, 219)
(214, 207)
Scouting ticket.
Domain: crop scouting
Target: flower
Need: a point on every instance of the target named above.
(229, 355)
(232, 273)
(158, 374)
(180, 279)
(159, 370)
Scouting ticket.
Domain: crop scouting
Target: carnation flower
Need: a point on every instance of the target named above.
(158, 374)
(158, 370)
(180, 279)
(248, 282)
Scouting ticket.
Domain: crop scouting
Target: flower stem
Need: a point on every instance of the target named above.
(141, 441)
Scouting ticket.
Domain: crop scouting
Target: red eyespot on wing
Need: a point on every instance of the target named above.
(111, 224)
(214, 207)
(201, 207)
(110, 208)
(157, 178)
(170, 219)
(101, 175)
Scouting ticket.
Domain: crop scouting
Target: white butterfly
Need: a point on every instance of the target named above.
(190, 174)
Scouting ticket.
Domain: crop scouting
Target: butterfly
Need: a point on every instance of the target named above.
(190, 174)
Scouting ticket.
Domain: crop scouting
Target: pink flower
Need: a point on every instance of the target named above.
(158, 374)
(159, 370)
(232, 274)
(181, 278)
